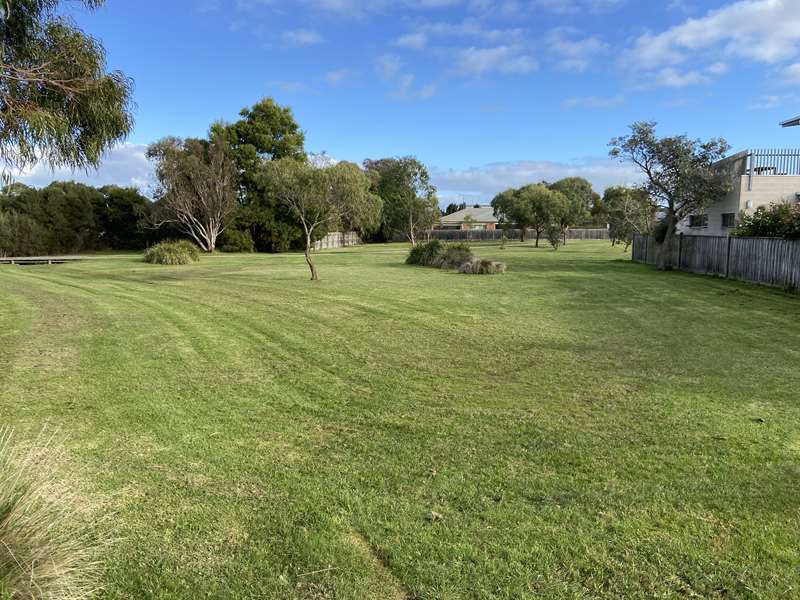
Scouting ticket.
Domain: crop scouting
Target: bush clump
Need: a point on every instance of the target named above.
(456, 256)
(453, 256)
(181, 252)
(482, 267)
(425, 254)
(236, 240)
(44, 551)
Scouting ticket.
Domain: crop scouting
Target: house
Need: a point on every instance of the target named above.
(759, 178)
(481, 217)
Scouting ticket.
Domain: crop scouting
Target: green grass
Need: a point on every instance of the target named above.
(586, 427)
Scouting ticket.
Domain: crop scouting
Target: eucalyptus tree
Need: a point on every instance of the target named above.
(323, 199)
(197, 186)
(679, 175)
(59, 103)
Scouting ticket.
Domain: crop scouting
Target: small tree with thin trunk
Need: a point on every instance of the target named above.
(679, 177)
(323, 199)
(198, 187)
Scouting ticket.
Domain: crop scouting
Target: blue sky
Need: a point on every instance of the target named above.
(489, 94)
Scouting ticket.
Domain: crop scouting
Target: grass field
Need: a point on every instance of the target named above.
(586, 427)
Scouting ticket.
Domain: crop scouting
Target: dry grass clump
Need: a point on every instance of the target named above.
(482, 267)
(45, 553)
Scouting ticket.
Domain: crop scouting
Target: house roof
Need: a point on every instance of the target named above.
(483, 214)
(791, 122)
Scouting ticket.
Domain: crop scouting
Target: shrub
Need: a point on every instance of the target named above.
(44, 552)
(181, 252)
(236, 240)
(482, 267)
(779, 220)
(425, 254)
(555, 235)
(20, 235)
(453, 256)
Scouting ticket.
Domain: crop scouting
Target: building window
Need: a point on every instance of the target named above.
(698, 221)
(729, 219)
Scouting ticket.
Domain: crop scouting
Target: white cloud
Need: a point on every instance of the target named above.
(503, 59)
(302, 37)
(483, 183)
(774, 101)
(388, 65)
(472, 28)
(126, 165)
(338, 76)
(761, 31)
(574, 52)
(414, 41)
(791, 74)
(578, 6)
(594, 102)
(670, 77)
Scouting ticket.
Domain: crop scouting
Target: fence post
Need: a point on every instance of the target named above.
(646, 242)
(680, 252)
(728, 258)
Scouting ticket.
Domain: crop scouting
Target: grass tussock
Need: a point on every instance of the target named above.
(181, 252)
(44, 551)
(453, 257)
(482, 267)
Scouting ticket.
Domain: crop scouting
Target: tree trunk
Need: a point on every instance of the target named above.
(664, 260)
(312, 267)
(538, 233)
(522, 235)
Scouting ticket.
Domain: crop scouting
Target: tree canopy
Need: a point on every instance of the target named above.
(679, 177)
(59, 103)
(323, 199)
(629, 211)
(533, 206)
(410, 206)
(197, 186)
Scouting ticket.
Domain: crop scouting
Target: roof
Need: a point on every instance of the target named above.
(791, 122)
(483, 214)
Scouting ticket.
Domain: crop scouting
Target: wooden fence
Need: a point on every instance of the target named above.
(483, 235)
(338, 240)
(768, 261)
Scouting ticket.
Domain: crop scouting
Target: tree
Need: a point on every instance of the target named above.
(777, 220)
(266, 131)
(121, 215)
(454, 208)
(629, 212)
(198, 186)
(580, 200)
(323, 198)
(679, 176)
(529, 207)
(409, 199)
(58, 103)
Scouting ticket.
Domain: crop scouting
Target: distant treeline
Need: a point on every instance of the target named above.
(68, 217)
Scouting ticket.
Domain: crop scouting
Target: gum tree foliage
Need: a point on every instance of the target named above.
(679, 177)
(59, 104)
(323, 199)
(198, 186)
(581, 197)
(264, 132)
(629, 212)
(410, 206)
(532, 206)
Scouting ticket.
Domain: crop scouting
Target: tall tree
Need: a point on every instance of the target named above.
(58, 103)
(410, 206)
(122, 214)
(264, 132)
(532, 206)
(679, 177)
(580, 201)
(198, 186)
(454, 208)
(629, 211)
(323, 199)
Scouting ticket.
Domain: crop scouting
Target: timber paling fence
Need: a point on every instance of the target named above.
(768, 261)
(485, 235)
(338, 240)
